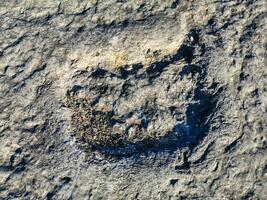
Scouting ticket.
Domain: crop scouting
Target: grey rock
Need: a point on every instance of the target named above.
(133, 99)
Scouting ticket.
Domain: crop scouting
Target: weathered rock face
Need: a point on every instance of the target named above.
(166, 104)
(132, 100)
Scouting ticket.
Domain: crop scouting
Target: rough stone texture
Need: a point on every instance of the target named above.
(135, 99)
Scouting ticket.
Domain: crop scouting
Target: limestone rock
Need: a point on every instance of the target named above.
(115, 99)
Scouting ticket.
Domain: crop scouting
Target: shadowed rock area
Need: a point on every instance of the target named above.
(133, 99)
(163, 106)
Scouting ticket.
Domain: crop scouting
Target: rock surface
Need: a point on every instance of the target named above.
(107, 99)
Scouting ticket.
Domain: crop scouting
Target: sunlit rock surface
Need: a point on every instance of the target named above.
(133, 99)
